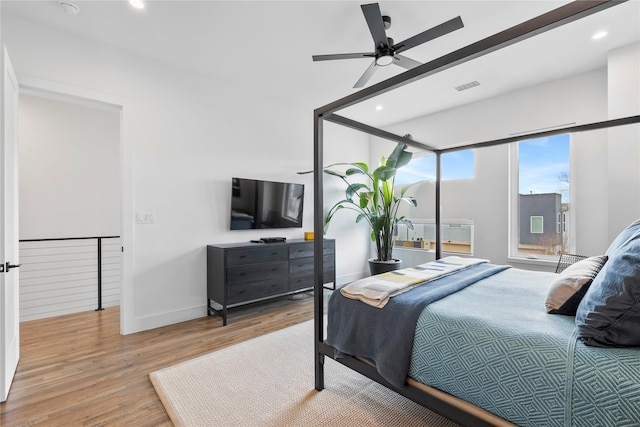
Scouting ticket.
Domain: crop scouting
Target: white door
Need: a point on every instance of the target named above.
(9, 321)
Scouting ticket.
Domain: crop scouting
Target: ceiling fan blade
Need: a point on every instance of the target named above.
(405, 62)
(343, 56)
(373, 16)
(430, 34)
(366, 76)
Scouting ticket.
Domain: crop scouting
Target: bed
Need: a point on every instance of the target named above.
(498, 349)
(528, 348)
(489, 353)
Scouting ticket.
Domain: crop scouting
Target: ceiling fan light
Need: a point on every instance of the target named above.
(384, 60)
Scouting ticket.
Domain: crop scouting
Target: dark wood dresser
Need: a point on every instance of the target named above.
(243, 273)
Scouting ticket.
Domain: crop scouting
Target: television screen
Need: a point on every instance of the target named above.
(265, 204)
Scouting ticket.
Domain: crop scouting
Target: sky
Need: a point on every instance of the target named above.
(542, 162)
(458, 165)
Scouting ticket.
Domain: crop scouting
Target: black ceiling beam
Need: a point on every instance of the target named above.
(545, 22)
(534, 135)
(344, 121)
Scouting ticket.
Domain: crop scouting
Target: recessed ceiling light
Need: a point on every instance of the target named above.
(599, 35)
(378, 107)
(138, 4)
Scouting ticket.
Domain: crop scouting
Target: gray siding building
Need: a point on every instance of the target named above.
(540, 219)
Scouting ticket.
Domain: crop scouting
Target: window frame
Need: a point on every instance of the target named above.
(514, 219)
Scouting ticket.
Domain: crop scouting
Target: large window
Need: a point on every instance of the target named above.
(542, 202)
(422, 167)
(457, 236)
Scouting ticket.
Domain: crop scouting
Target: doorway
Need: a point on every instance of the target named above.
(70, 204)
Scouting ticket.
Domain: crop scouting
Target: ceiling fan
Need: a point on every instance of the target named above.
(386, 52)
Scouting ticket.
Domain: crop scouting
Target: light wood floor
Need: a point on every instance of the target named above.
(78, 370)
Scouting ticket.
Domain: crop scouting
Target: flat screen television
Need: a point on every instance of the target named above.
(257, 204)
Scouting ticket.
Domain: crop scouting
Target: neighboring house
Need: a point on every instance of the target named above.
(541, 222)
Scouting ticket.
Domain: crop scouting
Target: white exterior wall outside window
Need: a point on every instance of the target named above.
(457, 234)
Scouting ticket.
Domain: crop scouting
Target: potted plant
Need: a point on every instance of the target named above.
(374, 201)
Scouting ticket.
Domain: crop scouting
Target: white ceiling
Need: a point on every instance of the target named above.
(267, 45)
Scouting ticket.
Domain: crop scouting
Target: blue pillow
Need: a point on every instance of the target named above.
(609, 313)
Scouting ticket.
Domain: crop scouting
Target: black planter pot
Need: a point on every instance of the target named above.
(378, 267)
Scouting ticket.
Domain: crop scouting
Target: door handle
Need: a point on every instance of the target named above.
(8, 266)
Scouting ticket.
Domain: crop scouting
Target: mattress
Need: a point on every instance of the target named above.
(494, 345)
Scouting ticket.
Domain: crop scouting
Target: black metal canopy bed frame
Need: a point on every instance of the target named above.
(443, 403)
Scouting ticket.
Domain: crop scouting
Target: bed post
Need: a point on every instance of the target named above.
(437, 207)
(318, 230)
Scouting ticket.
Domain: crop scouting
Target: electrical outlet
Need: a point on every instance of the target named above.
(146, 218)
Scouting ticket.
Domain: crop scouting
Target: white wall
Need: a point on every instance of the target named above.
(69, 169)
(623, 151)
(345, 145)
(185, 135)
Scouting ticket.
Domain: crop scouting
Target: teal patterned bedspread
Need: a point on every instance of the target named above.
(494, 345)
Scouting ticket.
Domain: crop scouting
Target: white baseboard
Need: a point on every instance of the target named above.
(189, 313)
(168, 318)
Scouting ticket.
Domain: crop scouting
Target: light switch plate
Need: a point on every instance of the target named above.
(146, 218)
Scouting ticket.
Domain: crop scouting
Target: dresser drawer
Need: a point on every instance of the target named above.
(253, 272)
(303, 250)
(328, 262)
(257, 290)
(305, 265)
(301, 266)
(245, 256)
(303, 280)
(329, 247)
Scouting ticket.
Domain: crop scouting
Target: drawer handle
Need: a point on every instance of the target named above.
(243, 274)
(274, 253)
(243, 256)
(274, 269)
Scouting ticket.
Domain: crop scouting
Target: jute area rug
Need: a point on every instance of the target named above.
(269, 381)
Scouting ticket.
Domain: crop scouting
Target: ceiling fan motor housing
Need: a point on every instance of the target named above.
(384, 54)
(386, 21)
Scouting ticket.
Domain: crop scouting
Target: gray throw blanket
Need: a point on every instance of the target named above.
(385, 335)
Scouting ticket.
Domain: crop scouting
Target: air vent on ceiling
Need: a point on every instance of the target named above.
(467, 86)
